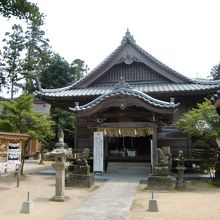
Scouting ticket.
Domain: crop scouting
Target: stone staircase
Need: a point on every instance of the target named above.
(126, 168)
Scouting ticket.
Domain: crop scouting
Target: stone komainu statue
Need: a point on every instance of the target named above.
(80, 164)
(162, 162)
(83, 157)
(78, 172)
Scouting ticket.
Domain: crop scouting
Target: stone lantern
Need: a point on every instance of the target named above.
(60, 163)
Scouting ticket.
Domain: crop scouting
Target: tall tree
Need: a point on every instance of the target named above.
(78, 69)
(17, 116)
(60, 73)
(2, 77)
(57, 74)
(37, 56)
(22, 9)
(215, 72)
(14, 44)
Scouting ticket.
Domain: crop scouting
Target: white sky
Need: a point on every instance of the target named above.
(183, 34)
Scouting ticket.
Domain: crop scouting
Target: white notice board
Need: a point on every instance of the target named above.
(98, 152)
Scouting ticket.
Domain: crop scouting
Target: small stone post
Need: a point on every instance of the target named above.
(26, 206)
(152, 206)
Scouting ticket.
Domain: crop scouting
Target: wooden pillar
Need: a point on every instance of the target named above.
(154, 135)
(154, 139)
(76, 132)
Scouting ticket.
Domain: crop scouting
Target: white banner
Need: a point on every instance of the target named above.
(98, 152)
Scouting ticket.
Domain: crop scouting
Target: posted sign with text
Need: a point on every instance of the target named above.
(98, 152)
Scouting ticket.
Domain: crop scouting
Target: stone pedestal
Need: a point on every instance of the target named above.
(180, 182)
(79, 176)
(79, 180)
(160, 182)
(152, 206)
(161, 171)
(26, 207)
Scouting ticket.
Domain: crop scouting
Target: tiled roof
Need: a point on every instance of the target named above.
(145, 88)
(129, 91)
(189, 85)
(128, 39)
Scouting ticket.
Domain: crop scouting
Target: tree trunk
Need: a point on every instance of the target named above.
(42, 153)
(23, 151)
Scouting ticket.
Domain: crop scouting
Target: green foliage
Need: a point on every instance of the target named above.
(202, 121)
(57, 74)
(22, 9)
(215, 72)
(64, 120)
(11, 64)
(78, 69)
(17, 116)
(37, 55)
(60, 73)
(2, 77)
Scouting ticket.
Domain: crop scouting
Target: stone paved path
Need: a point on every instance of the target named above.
(111, 201)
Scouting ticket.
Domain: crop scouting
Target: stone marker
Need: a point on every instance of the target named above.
(152, 206)
(26, 207)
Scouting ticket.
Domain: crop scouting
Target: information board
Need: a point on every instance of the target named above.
(98, 152)
(14, 154)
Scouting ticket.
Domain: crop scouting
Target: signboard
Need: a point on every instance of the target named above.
(14, 153)
(98, 152)
(10, 157)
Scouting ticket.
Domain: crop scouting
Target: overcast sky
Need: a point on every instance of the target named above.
(183, 34)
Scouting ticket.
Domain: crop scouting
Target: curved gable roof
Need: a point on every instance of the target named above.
(128, 48)
(124, 89)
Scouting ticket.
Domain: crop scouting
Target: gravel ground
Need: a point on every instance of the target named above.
(201, 201)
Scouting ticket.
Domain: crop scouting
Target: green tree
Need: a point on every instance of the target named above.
(57, 74)
(215, 72)
(22, 9)
(60, 73)
(17, 116)
(203, 123)
(78, 68)
(12, 58)
(2, 77)
(64, 120)
(37, 56)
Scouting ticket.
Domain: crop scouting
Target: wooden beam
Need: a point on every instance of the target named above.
(127, 125)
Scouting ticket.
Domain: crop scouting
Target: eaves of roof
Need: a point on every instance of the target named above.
(144, 88)
(129, 92)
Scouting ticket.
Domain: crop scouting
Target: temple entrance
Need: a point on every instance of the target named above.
(128, 144)
(129, 148)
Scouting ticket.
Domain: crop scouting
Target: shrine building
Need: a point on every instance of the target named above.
(134, 99)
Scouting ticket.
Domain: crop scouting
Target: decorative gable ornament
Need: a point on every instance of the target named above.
(122, 84)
